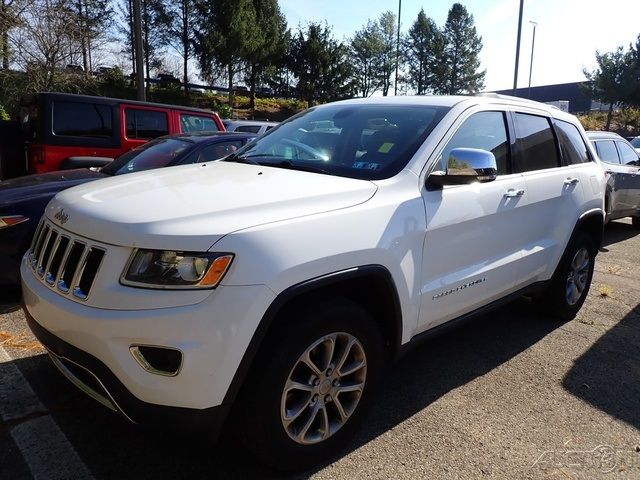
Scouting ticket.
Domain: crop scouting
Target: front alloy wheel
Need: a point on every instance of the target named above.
(323, 388)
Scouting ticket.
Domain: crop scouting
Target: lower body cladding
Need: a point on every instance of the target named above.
(168, 366)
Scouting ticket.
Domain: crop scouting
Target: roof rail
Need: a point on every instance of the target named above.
(510, 97)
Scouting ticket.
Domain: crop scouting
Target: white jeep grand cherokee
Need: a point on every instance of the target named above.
(270, 288)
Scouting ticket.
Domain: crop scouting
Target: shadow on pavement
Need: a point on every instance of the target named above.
(607, 376)
(616, 232)
(112, 448)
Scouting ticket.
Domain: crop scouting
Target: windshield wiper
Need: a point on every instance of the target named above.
(236, 159)
(305, 168)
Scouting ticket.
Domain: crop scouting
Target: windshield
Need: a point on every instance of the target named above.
(359, 141)
(155, 154)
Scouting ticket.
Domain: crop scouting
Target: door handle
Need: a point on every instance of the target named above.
(571, 181)
(513, 193)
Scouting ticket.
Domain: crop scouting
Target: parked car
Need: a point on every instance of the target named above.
(70, 131)
(635, 142)
(22, 200)
(622, 167)
(253, 126)
(267, 291)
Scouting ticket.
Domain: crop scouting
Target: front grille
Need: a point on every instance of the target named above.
(65, 263)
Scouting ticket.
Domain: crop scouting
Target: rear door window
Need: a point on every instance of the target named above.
(79, 119)
(146, 124)
(607, 151)
(197, 123)
(572, 145)
(537, 144)
(628, 155)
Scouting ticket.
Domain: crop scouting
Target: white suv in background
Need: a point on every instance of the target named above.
(268, 290)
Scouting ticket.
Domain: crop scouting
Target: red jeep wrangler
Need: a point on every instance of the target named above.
(71, 131)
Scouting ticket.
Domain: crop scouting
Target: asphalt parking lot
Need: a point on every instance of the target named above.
(512, 395)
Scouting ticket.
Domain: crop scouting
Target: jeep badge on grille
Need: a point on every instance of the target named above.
(61, 216)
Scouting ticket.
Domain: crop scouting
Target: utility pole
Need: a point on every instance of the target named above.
(515, 75)
(137, 33)
(398, 47)
(533, 42)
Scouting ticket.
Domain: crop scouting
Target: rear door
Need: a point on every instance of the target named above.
(553, 195)
(629, 162)
(615, 203)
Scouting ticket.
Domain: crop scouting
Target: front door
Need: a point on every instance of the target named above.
(473, 242)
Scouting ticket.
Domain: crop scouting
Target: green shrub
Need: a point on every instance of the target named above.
(3, 113)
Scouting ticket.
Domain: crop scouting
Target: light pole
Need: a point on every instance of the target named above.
(398, 47)
(515, 74)
(533, 43)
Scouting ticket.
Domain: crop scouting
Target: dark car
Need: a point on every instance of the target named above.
(22, 200)
(622, 166)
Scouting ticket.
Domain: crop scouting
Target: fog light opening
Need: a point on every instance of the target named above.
(165, 361)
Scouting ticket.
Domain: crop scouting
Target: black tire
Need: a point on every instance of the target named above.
(560, 300)
(256, 420)
(635, 221)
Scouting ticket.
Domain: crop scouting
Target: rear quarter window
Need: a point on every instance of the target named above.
(572, 145)
(76, 119)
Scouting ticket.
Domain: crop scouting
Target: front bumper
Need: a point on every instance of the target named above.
(91, 346)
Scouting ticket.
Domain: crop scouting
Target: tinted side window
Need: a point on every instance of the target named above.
(627, 154)
(482, 130)
(607, 151)
(248, 128)
(215, 151)
(82, 119)
(537, 143)
(572, 145)
(145, 123)
(197, 123)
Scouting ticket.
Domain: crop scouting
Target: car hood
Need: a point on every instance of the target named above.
(29, 187)
(191, 207)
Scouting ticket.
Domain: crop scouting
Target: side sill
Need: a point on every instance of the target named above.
(435, 332)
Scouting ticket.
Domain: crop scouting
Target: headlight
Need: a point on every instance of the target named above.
(175, 270)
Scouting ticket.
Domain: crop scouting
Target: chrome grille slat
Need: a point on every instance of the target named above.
(52, 271)
(35, 235)
(47, 235)
(93, 255)
(39, 244)
(63, 261)
(71, 266)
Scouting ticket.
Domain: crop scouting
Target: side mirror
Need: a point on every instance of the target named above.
(466, 165)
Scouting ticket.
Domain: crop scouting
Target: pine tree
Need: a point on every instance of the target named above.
(387, 58)
(366, 47)
(269, 44)
(321, 65)
(424, 48)
(225, 32)
(462, 47)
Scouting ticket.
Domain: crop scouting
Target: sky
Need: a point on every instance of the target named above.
(568, 32)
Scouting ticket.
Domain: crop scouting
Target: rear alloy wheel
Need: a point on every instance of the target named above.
(311, 384)
(572, 279)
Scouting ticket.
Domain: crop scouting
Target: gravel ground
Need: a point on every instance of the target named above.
(512, 395)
